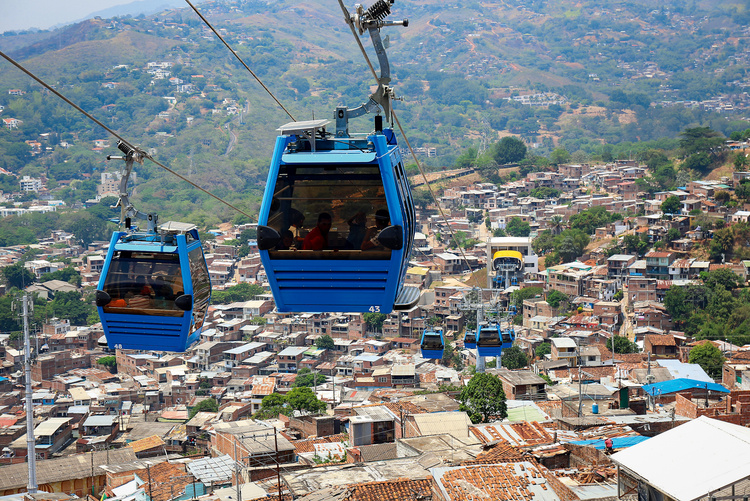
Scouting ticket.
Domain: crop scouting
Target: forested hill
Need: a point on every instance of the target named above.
(586, 76)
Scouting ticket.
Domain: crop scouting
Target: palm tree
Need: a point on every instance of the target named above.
(556, 224)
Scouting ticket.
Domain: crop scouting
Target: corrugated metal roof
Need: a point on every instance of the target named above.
(403, 370)
(438, 423)
(100, 420)
(73, 467)
(50, 426)
(213, 470)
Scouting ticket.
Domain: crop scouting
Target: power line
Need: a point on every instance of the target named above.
(239, 58)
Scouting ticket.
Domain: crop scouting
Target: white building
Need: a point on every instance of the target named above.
(29, 183)
(518, 244)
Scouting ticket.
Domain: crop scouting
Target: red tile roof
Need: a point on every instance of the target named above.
(145, 444)
(168, 480)
(392, 490)
(660, 339)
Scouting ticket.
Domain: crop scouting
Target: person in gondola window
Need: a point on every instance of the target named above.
(287, 240)
(382, 220)
(357, 229)
(296, 220)
(317, 239)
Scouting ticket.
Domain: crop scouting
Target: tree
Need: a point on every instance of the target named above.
(70, 305)
(559, 156)
(208, 405)
(673, 234)
(556, 224)
(374, 321)
(69, 274)
(517, 297)
(722, 196)
(109, 362)
(509, 150)
(740, 161)
(306, 377)
(700, 140)
(514, 358)
(722, 276)
(16, 275)
(672, 205)
(634, 244)
(555, 298)
(271, 406)
(543, 243)
(591, 219)
(543, 349)
(570, 244)
(709, 357)
(325, 342)
(516, 227)
(622, 345)
(483, 398)
(304, 400)
(237, 293)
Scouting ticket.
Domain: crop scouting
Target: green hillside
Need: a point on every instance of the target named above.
(605, 75)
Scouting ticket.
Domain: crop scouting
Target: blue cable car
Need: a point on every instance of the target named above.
(154, 289)
(432, 344)
(470, 339)
(355, 192)
(336, 226)
(492, 339)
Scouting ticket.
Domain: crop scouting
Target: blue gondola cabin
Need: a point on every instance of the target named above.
(337, 222)
(154, 289)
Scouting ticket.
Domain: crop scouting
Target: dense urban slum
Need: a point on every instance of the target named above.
(583, 421)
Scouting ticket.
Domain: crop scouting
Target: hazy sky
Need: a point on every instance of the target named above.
(25, 14)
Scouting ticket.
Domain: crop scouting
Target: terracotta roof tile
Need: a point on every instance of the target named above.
(500, 453)
(522, 481)
(168, 480)
(145, 444)
(660, 339)
(391, 490)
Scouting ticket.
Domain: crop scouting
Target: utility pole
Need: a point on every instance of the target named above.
(237, 471)
(30, 440)
(278, 462)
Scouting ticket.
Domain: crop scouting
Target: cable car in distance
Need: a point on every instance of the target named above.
(470, 339)
(154, 289)
(432, 344)
(337, 222)
(492, 339)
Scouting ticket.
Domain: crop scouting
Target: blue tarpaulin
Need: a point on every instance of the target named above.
(617, 442)
(681, 384)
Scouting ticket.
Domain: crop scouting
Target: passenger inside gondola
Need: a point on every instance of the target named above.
(287, 241)
(370, 241)
(357, 229)
(317, 239)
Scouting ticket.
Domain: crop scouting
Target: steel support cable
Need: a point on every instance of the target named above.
(116, 135)
(349, 21)
(239, 59)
